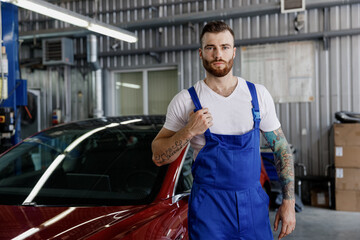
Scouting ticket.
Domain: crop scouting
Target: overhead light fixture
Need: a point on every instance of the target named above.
(112, 31)
(74, 18)
(128, 85)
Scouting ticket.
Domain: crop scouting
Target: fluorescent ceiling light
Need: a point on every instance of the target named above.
(115, 33)
(128, 85)
(62, 14)
(46, 10)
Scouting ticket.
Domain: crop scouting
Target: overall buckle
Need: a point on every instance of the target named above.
(256, 114)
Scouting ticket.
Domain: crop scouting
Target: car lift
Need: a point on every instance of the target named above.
(13, 90)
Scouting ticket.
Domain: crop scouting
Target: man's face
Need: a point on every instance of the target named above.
(217, 53)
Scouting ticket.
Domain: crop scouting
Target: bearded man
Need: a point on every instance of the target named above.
(227, 200)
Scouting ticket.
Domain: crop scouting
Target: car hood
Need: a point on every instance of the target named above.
(34, 222)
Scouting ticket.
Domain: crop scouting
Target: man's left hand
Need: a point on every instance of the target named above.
(285, 214)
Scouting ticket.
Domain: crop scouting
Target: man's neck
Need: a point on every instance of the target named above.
(223, 86)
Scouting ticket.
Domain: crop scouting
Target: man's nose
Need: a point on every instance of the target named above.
(217, 53)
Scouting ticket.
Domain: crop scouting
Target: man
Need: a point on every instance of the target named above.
(227, 201)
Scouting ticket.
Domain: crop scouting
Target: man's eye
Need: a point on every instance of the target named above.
(209, 48)
(226, 47)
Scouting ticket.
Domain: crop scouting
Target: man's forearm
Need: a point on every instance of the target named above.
(284, 161)
(166, 150)
(167, 145)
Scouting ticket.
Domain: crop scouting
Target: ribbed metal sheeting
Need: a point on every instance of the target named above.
(53, 91)
(306, 125)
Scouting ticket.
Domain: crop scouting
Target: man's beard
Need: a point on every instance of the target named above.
(216, 71)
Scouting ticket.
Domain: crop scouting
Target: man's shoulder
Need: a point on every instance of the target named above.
(259, 87)
(181, 101)
(185, 92)
(181, 96)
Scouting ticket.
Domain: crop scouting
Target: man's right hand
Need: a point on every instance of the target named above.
(199, 122)
(168, 145)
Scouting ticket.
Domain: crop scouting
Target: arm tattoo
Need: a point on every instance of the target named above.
(167, 154)
(284, 161)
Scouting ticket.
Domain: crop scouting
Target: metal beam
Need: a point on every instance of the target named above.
(328, 3)
(221, 14)
(132, 8)
(55, 33)
(239, 42)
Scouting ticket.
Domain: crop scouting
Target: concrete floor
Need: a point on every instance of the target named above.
(323, 224)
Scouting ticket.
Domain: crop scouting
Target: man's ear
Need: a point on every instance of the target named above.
(200, 53)
(234, 52)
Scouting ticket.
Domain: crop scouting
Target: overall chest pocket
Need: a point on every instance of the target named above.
(235, 166)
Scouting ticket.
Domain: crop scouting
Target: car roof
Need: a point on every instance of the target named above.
(152, 121)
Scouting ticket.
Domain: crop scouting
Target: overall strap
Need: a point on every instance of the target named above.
(255, 103)
(197, 104)
(195, 99)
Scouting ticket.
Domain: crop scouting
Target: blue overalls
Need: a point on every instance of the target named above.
(227, 201)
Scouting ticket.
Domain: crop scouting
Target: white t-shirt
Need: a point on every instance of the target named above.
(232, 115)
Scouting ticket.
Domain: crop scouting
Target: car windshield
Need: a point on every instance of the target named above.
(84, 163)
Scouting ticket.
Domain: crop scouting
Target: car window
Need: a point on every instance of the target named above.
(110, 167)
(186, 179)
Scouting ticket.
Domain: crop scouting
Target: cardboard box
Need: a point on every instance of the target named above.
(347, 134)
(347, 156)
(347, 179)
(319, 198)
(347, 200)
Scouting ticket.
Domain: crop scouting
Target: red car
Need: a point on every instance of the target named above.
(94, 179)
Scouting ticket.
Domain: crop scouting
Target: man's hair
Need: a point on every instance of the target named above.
(215, 27)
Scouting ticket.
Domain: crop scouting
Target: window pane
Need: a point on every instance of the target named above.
(185, 181)
(129, 93)
(162, 88)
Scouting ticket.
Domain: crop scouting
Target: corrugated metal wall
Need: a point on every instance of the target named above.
(53, 94)
(306, 125)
